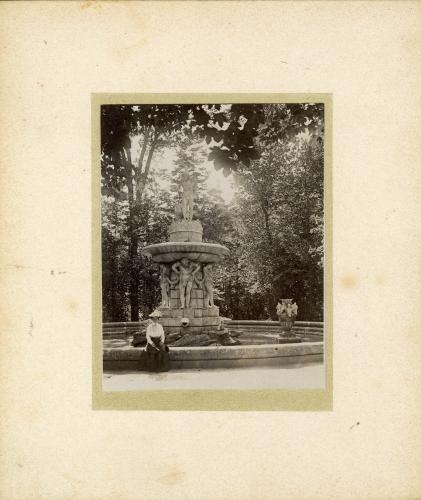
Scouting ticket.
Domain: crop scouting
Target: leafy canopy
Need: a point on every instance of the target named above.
(233, 132)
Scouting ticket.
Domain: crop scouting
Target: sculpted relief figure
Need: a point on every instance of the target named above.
(287, 307)
(186, 271)
(280, 308)
(179, 211)
(166, 284)
(207, 284)
(291, 309)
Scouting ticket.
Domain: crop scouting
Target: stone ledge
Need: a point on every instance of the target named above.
(245, 322)
(212, 357)
(224, 352)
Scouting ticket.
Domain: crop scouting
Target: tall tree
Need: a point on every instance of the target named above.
(128, 129)
(281, 214)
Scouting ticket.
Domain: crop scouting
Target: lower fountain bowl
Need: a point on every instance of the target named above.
(195, 251)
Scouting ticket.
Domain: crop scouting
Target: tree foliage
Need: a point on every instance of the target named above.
(273, 227)
(280, 220)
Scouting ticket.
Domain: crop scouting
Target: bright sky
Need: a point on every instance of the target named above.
(216, 179)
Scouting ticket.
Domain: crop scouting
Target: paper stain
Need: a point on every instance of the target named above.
(20, 266)
(30, 268)
(348, 281)
(30, 412)
(90, 3)
(31, 327)
(354, 425)
(380, 279)
(71, 305)
(71, 479)
(410, 43)
(174, 475)
(123, 52)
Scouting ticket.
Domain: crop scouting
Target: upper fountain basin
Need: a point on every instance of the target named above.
(172, 251)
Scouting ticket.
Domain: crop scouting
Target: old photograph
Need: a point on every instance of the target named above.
(213, 245)
(210, 250)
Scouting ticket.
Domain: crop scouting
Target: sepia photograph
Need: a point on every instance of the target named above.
(212, 246)
(210, 272)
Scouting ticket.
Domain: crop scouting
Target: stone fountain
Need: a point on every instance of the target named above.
(186, 264)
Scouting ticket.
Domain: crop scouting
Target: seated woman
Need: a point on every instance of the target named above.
(155, 357)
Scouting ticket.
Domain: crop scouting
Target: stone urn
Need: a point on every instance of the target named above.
(287, 313)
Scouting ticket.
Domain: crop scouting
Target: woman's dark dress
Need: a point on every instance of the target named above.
(155, 359)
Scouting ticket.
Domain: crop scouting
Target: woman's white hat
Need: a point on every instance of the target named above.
(155, 314)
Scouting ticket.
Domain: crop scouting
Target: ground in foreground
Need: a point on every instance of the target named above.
(305, 377)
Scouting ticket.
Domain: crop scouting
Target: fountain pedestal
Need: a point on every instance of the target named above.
(200, 319)
(186, 279)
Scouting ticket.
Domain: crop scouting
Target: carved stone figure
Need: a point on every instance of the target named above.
(166, 284)
(179, 211)
(188, 195)
(207, 284)
(186, 271)
(287, 308)
(185, 322)
(287, 312)
(280, 308)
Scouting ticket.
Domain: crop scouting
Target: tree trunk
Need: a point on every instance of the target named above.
(139, 177)
(134, 278)
(113, 291)
(237, 293)
(142, 175)
(135, 202)
(133, 241)
(266, 218)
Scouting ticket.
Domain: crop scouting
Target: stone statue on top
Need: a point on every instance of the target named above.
(188, 188)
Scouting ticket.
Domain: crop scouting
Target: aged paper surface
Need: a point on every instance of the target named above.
(54, 55)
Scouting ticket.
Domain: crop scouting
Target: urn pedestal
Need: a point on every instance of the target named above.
(286, 323)
(286, 335)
